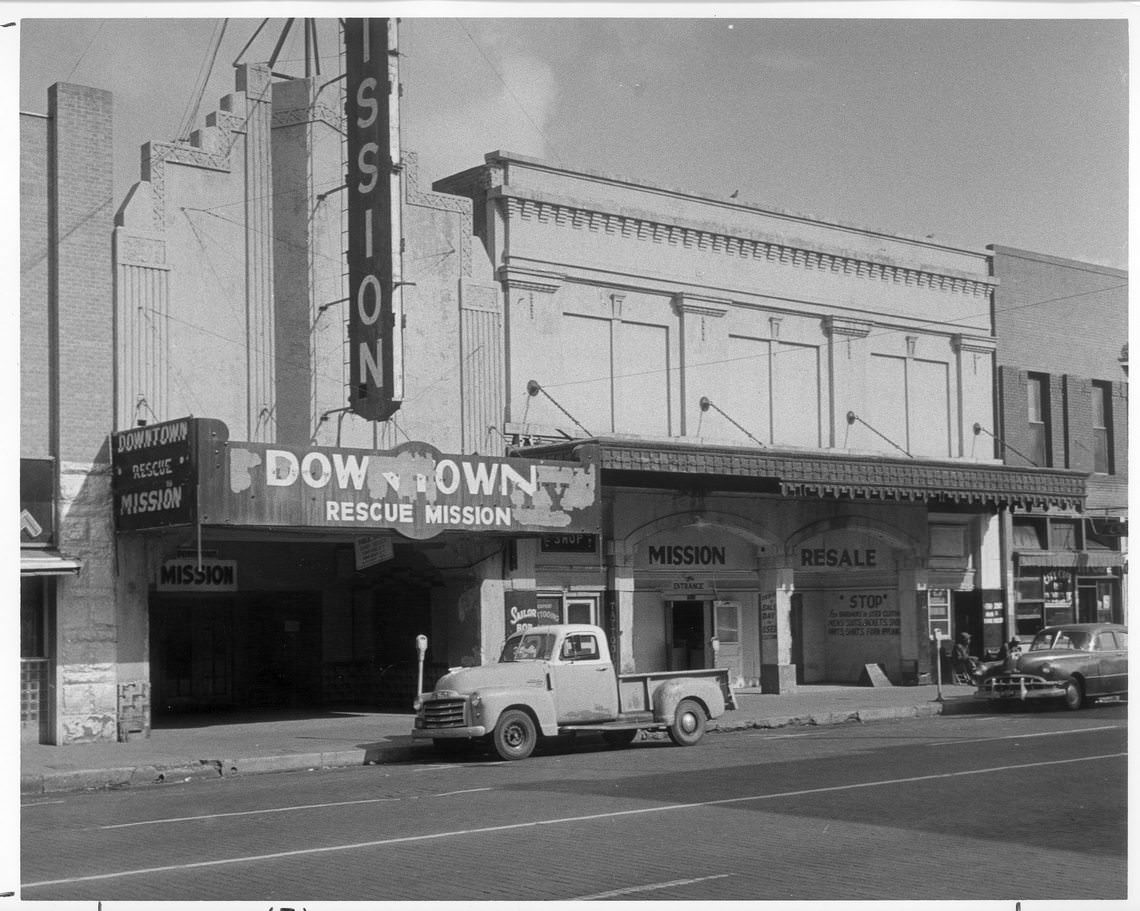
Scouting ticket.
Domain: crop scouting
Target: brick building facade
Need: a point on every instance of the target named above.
(1062, 394)
(70, 655)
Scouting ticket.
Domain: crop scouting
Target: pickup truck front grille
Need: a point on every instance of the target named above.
(444, 713)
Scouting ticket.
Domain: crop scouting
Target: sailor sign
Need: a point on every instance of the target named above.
(415, 490)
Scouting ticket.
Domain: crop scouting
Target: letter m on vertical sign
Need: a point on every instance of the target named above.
(376, 318)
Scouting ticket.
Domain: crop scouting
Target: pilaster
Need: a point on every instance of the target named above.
(619, 581)
(261, 330)
(776, 585)
(846, 366)
(703, 340)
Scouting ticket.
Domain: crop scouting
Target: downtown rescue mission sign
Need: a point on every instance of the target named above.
(188, 472)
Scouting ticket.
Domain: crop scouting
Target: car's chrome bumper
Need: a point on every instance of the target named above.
(1019, 687)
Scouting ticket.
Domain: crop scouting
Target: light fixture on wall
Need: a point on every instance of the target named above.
(533, 388)
(706, 403)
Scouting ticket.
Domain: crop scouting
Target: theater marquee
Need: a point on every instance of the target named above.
(415, 490)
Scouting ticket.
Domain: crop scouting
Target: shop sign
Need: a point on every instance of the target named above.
(523, 610)
(375, 322)
(768, 615)
(864, 614)
(189, 574)
(415, 490)
(839, 557)
(693, 548)
(152, 475)
(569, 544)
(373, 550)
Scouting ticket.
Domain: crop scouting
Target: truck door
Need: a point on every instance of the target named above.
(585, 685)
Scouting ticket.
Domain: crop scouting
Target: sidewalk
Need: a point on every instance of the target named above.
(222, 745)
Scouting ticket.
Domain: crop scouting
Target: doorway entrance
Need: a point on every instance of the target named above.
(686, 626)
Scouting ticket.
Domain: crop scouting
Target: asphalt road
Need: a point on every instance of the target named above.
(1002, 807)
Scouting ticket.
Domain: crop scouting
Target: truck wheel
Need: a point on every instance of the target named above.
(688, 723)
(515, 735)
(619, 739)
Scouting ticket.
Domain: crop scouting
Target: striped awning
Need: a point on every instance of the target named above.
(1070, 559)
(43, 561)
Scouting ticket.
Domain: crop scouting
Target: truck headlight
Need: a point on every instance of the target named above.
(476, 703)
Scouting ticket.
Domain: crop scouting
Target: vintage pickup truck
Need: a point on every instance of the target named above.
(559, 679)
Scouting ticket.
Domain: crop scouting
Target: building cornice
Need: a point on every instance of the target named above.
(653, 228)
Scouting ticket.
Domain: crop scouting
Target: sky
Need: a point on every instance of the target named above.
(964, 131)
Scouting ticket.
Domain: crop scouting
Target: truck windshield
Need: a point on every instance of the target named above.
(528, 647)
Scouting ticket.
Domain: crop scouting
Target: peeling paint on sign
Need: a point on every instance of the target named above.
(415, 490)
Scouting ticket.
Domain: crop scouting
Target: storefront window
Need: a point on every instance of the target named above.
(32, 633)
(1063, 536)
(1028, 534)
(568, 608)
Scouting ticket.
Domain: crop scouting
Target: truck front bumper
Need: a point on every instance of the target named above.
(463, 733)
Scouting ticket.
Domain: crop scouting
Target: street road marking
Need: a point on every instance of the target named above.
(650, 887)
(615, 814)
(1106, 727)
(305, 806)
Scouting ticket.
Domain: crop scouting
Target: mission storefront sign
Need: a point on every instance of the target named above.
(375, 316)
(415, 490)
(153, 476)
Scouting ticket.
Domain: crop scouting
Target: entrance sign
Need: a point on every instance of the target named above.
(414, 489)
(375, 234)
(188, 574)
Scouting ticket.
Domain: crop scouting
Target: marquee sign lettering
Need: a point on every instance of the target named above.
(415, 490)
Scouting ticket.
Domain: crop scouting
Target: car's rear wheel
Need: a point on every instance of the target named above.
(1074, 694)
(688, 723)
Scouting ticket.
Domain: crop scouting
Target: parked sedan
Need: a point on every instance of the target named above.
(1077, 662)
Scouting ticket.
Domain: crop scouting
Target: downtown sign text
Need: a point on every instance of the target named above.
(414, 490)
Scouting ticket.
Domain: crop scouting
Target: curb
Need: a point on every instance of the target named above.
(37, 783)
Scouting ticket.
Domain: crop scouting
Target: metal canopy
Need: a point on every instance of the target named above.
(796, 473)
(47, 562)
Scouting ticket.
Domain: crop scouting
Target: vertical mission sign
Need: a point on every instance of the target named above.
(375, 236)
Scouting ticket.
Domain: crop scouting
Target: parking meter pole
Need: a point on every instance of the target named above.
(938, 661)
(421, 648)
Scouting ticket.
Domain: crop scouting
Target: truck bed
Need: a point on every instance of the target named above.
(635, 691)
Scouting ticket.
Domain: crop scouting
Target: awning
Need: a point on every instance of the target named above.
(47, 562)
(828, 474)
(1070, 559)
